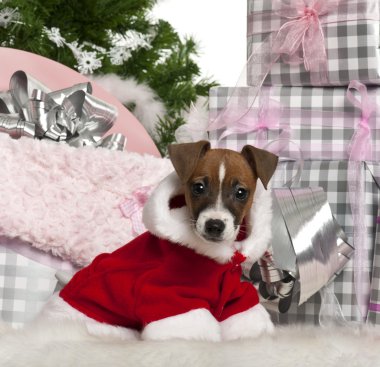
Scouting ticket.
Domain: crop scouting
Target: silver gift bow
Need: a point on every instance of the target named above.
(319, 245)
(309, 248)
(71, 115)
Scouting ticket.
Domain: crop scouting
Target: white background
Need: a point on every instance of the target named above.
(218, 26)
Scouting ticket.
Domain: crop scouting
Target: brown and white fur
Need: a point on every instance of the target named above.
(221, 188)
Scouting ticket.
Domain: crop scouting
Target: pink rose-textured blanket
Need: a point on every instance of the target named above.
(66, 200)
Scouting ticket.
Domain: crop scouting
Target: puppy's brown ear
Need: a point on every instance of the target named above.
(263, 163)
(186, 156)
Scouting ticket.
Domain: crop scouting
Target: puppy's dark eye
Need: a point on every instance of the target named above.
(198, 188)
(241, 193)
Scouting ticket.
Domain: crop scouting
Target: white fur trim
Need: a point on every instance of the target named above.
(193, 325)
(57, 309)
(247, 324)
(148, 108)
(175, 224)
(260, 220)
(197, 121)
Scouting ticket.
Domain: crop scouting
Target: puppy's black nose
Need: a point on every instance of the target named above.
(214, 227)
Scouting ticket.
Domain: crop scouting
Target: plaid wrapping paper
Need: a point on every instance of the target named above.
(332, 177)
(321, 121)
(25, 286)
(352, 46)
(374, 305)
(323, 139)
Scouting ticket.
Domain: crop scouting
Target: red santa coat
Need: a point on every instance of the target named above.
(150, 279)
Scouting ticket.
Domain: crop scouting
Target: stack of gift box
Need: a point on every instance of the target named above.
(313, 77)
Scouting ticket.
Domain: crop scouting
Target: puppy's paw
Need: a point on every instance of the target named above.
(247, 324)
(193, 325)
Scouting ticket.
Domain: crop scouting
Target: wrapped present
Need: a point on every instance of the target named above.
(374, 302)
(309, 248)
(319, 42)
(332, 176)
(334, 131)
(25, 286)
(319, 121)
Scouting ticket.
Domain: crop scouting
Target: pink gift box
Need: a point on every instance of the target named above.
(57, 76)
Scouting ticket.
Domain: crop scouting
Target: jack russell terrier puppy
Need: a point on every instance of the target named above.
(181, 279)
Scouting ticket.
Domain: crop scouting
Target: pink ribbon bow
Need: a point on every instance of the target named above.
(360, 149)
(301, 39)
(132, 208)
(261, 119)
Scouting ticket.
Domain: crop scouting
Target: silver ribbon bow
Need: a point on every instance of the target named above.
(71, 115)
(309, 248)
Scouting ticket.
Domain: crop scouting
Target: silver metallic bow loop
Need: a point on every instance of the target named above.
(18, 88)
(112, 142)
(277, 283)
(3, 107)
(16, 127)
(70, 115)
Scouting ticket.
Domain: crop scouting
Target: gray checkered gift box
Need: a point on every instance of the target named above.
(351, 40)
(321, 121)
(25, 286)
(374, 303)
(332, 177)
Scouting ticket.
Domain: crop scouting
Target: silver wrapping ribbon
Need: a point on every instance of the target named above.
(309, 247)
(70, 115)
(275, 283)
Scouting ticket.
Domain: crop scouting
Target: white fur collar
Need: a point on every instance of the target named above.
(174, 224)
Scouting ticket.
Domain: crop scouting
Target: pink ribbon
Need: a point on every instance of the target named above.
(132, 208)
(301, 39)
(260, 22)
(360, 149)
(260, 120)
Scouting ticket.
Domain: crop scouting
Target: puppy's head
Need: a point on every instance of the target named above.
(219, 185)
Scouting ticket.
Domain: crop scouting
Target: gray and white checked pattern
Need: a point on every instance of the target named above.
(374, 306)
(352, 47)
(332, 176)
(321, 120)
(25, 286)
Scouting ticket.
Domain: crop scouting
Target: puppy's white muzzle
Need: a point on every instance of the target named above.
(216, 225)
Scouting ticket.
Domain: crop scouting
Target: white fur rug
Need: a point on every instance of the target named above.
(68, 345)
